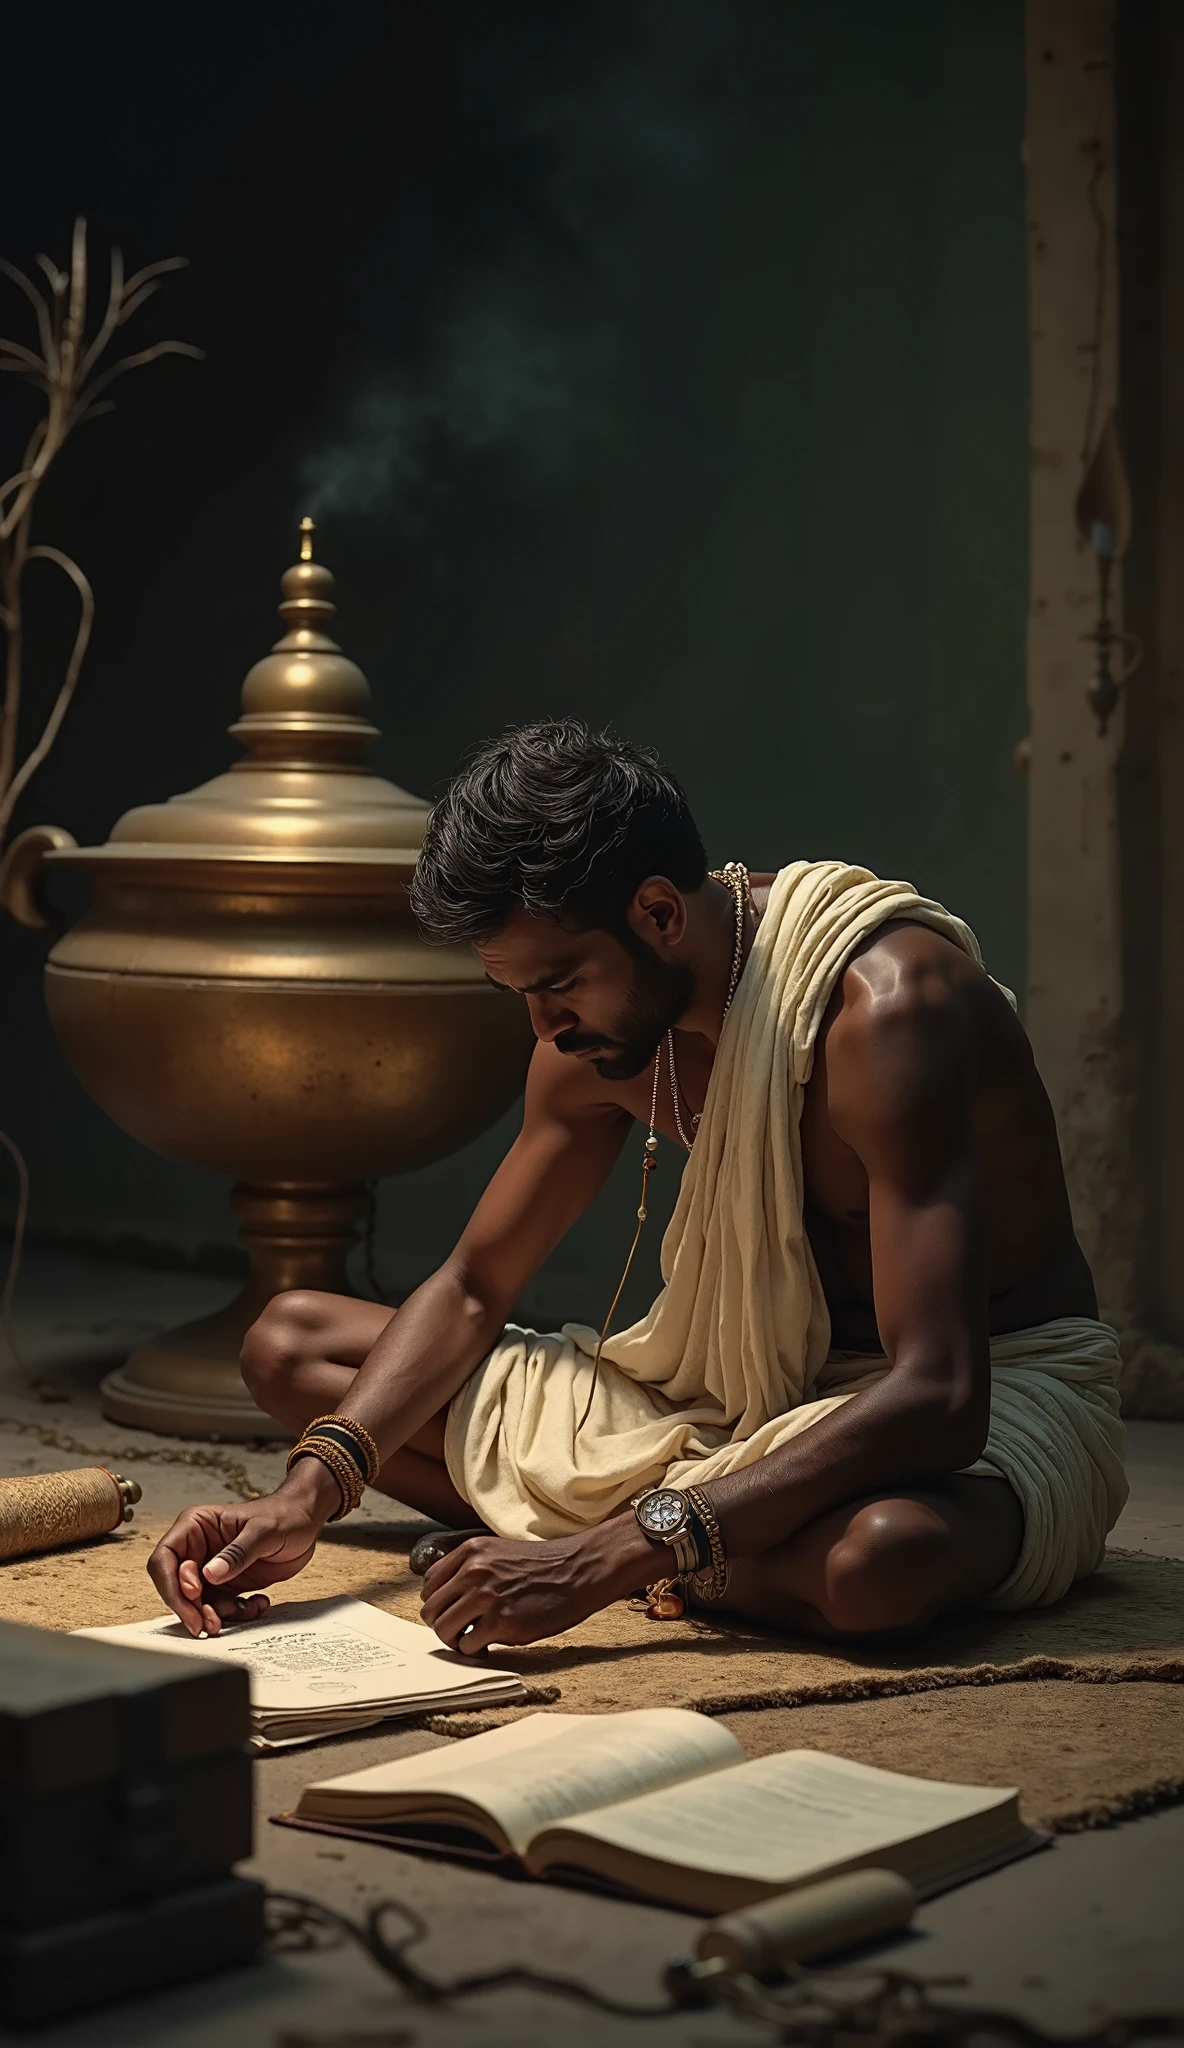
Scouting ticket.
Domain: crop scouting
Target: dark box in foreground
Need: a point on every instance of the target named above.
(50, 1973)
(123, 1773)
(125, 1797)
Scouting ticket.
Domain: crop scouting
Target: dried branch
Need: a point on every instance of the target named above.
(23, 355)
(14, 483)
(110, 319)
(44, 324)
(65, 371)
(153, 270)
(57, 278)
(86, 617)
(145, 355)
(56, 429)
(137, 299)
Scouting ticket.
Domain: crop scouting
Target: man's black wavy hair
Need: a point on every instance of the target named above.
(558, 820)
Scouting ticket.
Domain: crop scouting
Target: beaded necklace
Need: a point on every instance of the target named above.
(734, 876)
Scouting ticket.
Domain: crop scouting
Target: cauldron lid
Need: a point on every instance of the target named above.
(303, 786)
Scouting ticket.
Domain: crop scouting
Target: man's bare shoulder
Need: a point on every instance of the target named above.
(902, 968)
(910, 1014)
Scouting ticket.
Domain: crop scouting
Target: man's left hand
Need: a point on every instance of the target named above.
(490, 1590)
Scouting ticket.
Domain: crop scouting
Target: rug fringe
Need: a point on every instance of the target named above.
(1167, 1671)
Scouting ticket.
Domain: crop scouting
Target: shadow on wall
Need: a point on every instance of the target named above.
(659, 362)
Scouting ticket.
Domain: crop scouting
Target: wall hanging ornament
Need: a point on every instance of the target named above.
(1103, 512)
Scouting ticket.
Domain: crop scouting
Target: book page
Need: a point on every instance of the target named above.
(321, 1653)
(369, 1794)
(538, 1771)
(781, 1818)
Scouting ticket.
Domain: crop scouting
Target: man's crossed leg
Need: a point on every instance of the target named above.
(885, 1564)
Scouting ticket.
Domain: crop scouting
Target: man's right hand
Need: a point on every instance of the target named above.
(211, 1564)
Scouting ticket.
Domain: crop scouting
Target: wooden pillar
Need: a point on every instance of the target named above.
(1151, 159)
(1166, 673)
(1075, 984)
(1105, 970)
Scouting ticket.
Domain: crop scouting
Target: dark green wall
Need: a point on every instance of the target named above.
(660, 363)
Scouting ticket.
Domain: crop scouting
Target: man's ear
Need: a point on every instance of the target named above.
(658, 913)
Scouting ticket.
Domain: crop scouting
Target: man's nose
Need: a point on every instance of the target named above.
(549, 1016)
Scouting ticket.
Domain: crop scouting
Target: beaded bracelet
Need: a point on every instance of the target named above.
(343, 1469)
(712, 1583)
(334, 1454)
(346, 1450)
(354, 1440)
(699, 1556)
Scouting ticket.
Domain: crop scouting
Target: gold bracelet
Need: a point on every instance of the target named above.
(336, 1461)
(355, 1435)
(342, 1470)
(712, 1582)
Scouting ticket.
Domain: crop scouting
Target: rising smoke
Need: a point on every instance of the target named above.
(521, 360)
(499, 379)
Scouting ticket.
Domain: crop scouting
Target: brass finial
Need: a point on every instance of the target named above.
(307, 529)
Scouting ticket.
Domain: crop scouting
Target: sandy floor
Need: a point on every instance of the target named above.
(1064, 1938)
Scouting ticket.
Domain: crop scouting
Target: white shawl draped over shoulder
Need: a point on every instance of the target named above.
(740, 1329)
(726, 1364)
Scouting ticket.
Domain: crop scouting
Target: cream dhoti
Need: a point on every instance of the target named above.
(734, 1357)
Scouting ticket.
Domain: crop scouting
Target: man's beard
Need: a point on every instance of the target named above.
(660, 994)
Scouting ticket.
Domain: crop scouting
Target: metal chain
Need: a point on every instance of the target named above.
(734, 876)
(233, 1471)
(818, 2010)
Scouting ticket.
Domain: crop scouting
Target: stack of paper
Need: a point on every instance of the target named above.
(319, 1667)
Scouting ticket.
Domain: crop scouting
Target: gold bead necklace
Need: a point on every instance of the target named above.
(734, 876)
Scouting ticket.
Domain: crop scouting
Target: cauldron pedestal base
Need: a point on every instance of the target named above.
(187, 1381)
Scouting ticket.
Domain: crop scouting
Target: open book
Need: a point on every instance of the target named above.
(319, 1667)
(662, 1803)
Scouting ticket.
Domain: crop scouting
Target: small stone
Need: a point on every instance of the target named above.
(429, 1549)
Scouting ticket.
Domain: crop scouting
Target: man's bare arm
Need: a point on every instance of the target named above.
(570, 1140)
(901, 1064)
(900, 1073)
(571, 1136)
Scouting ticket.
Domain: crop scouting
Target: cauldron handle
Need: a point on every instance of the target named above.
(22, 875)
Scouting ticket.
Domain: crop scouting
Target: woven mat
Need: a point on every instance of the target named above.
(1083, 1755)
(980, 1697)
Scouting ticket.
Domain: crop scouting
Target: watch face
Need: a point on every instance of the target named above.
(662, 1511)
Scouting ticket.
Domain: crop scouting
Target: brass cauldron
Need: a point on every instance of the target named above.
(248, 994)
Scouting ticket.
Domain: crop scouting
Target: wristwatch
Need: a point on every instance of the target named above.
(664, 1514)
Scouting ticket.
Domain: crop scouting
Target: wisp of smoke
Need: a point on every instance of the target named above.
(510, 370)
(494, 383)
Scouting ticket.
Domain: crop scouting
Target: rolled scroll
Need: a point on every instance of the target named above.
(48, 1510)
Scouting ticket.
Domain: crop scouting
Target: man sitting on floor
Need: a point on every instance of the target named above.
(873, 1387)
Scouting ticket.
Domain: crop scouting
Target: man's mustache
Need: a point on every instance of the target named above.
(580, 1041)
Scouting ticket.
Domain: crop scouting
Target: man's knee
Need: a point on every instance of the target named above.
(284, 1337)
(888, 1570)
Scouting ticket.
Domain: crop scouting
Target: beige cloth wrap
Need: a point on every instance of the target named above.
(734, 1357)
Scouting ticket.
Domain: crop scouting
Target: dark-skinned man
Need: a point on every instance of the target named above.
(874, 1387)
